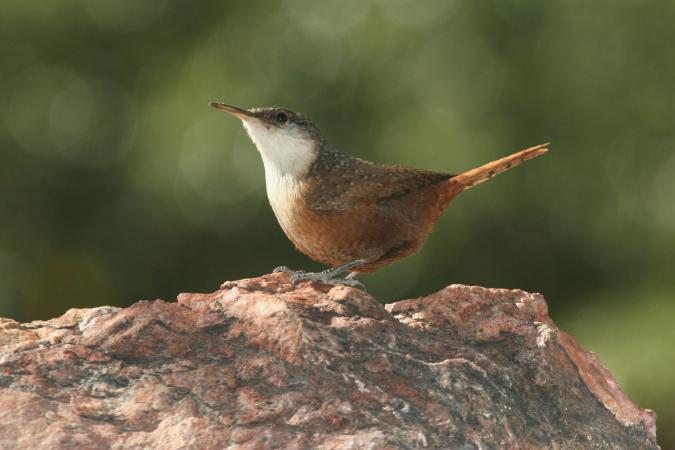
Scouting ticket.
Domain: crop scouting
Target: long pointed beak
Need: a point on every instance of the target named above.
(237, 112)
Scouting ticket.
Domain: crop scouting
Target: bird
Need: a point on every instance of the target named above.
(352, 215)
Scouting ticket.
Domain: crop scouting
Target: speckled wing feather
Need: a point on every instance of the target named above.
(340, 182)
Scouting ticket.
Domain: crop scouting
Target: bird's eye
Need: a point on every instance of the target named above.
(281, 117)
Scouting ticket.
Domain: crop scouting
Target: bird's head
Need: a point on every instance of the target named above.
(288, 142)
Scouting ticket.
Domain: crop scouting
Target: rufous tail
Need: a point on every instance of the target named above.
(472, 177)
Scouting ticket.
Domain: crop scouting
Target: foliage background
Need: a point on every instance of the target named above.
(117, 182)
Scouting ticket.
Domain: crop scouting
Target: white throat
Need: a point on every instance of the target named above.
(287, 150)
(287, 155)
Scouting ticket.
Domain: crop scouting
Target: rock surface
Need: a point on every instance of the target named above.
(263, 364)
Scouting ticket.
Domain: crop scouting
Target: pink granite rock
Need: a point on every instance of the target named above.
(264, 364)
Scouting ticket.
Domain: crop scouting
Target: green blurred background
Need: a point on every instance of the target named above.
(118, 182)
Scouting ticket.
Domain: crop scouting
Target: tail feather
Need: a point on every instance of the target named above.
(472, 177)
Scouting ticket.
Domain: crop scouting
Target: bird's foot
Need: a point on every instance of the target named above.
(299, 275)
(284, 269)
(327, 276)
(351, 282)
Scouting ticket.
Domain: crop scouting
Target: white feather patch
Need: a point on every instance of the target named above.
(287, 149)
(287, 155)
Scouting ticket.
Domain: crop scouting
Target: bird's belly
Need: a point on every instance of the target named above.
(338, 237)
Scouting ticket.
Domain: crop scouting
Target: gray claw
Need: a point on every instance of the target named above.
(295, 274)
(349, 282)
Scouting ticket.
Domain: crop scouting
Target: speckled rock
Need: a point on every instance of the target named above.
(264, 364)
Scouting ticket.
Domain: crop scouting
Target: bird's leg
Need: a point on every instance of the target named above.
(350, 280)
(328, 275)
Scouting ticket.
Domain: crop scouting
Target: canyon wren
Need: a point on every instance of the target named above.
(350, 214)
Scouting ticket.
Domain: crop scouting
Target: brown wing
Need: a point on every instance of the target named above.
(340, 182)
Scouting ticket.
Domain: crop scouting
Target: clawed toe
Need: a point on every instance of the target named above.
(299, 275)
(327, 276)
(296, 278)
(347, 282)
(295, 274)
